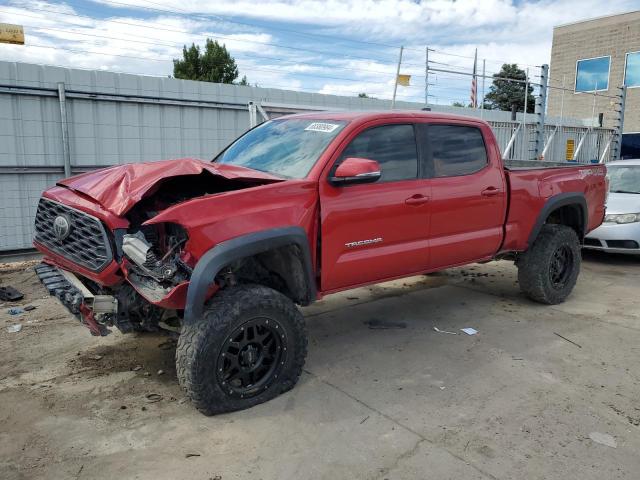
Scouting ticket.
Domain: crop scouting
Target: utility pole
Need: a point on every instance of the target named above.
(395, 84)
(426, 78)
(525, 133)
(541, 106)
(484, 73)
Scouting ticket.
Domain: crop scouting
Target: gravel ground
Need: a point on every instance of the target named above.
(540, 392)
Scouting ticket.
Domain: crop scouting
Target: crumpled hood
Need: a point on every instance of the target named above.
(623, 203)
(120, 187)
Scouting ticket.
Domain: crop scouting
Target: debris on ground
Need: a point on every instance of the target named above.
(469, 330)
(153, 397)
(188, 455)
(570, 341)
(14, 328)
(136, 368)
(96, 357)
(443, 331)
(160, 372)
(10, 294)
(375, 324)
(28, 308)
(15, 311)
(603, 439)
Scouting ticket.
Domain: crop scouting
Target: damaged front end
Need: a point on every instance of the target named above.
(131, 267)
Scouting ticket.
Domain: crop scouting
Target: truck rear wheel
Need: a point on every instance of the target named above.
(548, 271)
(249, 347)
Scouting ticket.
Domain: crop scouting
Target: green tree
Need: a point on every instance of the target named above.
(504, 95)
(215, 64)
(363, 95)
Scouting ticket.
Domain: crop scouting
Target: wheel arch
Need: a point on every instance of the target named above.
(568, 209)
(293, 240)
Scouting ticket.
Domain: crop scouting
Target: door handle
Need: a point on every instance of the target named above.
(417, 199)
(490, 192)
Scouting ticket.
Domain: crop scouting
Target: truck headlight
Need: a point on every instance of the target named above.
(622, 218)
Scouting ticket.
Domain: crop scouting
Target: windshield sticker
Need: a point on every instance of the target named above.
(322, 127)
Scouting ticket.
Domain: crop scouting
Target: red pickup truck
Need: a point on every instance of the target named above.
(297, 208)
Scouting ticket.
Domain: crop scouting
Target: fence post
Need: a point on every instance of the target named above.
(619, 125)
(541, 106)
(66, 152)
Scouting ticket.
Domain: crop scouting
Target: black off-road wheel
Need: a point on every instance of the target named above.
(548, 271)
(249, 347)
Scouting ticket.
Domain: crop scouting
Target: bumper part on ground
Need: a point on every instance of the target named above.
(70, 291)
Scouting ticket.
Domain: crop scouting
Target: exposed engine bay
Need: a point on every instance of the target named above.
(155, 253)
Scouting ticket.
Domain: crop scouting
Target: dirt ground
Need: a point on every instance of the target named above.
(539, 393)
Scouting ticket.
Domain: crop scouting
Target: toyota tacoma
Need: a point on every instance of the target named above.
(299, 207)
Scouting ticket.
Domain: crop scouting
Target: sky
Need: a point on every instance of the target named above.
(324, 46)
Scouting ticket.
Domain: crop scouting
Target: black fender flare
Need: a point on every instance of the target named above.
(555, 202)
(236, 248)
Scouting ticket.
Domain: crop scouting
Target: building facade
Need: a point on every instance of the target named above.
(592, 60)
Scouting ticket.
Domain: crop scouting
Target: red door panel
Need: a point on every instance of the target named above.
(373, 231)
(467, 215)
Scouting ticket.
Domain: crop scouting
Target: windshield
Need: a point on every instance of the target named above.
(623, 179)
(287, 148)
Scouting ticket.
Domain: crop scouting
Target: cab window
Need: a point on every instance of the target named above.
(453, 150)
(392, 146)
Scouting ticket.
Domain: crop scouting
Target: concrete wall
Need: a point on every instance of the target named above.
(616, 36)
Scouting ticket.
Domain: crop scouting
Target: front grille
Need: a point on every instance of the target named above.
(86, 244)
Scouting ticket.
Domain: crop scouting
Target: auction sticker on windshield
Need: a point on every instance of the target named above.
(322, 127)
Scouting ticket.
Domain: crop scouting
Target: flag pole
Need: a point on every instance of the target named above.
(474, 82)
(395, 85)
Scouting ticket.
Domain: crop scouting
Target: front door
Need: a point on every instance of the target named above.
(379, 230)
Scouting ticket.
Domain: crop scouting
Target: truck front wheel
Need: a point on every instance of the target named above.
(249, 347)
(548, 271)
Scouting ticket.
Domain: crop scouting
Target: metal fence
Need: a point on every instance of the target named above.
(55, 121)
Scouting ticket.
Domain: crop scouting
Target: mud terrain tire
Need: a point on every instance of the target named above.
(248, 331)
(548, 271)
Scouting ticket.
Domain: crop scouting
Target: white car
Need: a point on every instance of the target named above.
(620, 231)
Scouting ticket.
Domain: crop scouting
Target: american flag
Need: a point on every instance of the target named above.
(474, 82)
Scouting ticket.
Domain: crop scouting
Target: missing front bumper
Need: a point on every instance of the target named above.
(76, 297)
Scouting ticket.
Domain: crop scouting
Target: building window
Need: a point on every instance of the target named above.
(592, 74)
(632, 70)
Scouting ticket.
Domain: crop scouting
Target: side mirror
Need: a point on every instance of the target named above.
(356, 170)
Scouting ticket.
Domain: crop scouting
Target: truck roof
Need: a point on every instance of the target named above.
(363, 116)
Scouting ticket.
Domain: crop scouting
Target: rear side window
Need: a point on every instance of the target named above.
(455, 150)
(392, 146)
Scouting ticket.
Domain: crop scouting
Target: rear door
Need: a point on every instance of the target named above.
(379, 230)
(468, 194)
